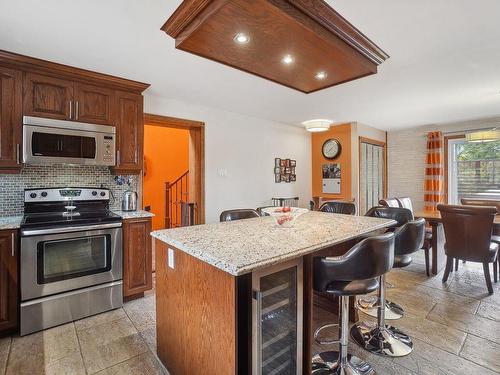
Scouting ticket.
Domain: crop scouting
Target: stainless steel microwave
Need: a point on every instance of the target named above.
(47, 141)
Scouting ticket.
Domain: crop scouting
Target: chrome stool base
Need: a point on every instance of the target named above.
(382, 340)
(327, 363)
(369, 306)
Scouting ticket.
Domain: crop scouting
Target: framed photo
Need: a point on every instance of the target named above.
(282, 170)
(287, 178)
(287, 163)
(283, 177)
(292, 170)
(283, 162)
(293, 177)
(288, 170)
(293, 163)
(277, 162)
(277, 170)
(277, 178)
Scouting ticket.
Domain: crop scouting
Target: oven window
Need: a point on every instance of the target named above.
(70, 258)
(64, 146)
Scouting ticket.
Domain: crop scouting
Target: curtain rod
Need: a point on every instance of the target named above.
(459, 132)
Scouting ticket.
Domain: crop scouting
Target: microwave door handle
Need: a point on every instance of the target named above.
(18, 153)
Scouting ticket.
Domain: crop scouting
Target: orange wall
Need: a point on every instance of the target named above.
(166, 156)
(343, 134)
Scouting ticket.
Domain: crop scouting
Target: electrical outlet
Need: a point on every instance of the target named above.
(170, 258)
(222, 172)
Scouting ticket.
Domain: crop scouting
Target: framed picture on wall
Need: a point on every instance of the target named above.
(277, 178)
(277, 162)
(284, 170)
(293, 177)
(293, 163)
(283, 163)
(277, 170)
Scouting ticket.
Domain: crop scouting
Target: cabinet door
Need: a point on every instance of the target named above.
(137, 256)
(48, 97)
(10, 118)
(93, 104)
(130, 132)
(8, 280)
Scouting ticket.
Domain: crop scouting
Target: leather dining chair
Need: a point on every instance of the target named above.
(405, 202)
(339, 207)
(484, 202)
(245, 213)
(467, 231)
(261, 212)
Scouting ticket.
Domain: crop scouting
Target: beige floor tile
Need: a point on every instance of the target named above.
(483, 352)
(149, 336)
(4, 352)
(142, 312)
(110, 343)
(42, 350)
(144, 364)
(466, 322)
(490, 311)
(98, 319)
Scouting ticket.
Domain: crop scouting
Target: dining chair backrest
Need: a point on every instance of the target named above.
(409, 237)
(401, 215)
(339, 207)
(389, 202)
(482, 202)
(245, 213)
(405, 202)
(467, 231)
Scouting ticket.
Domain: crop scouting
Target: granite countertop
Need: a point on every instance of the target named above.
(133, 214)
(239, 247)
(10, 222)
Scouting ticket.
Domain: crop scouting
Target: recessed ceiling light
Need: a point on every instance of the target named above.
(287, 59)
(241, 38)
(321, 76)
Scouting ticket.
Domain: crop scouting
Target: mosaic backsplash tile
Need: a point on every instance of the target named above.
(12, 185)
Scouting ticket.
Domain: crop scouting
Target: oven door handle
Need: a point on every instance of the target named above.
(39, 232)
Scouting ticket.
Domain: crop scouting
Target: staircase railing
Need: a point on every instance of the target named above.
(176, 196)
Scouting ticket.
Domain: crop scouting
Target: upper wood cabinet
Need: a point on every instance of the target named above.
(48, 97)
(137, 256)
(130, 132)
(9, 281)
(93, 104)
(10, 119)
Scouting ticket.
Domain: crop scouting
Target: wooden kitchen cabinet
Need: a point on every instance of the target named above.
(46, 96)
(10, 119)
(130, 133)
(137, 257)
(9, 281)
(93, 104)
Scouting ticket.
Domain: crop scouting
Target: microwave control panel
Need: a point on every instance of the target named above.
(109, 149)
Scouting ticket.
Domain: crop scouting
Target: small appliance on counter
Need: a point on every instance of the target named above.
(71, 256)
(129, 201)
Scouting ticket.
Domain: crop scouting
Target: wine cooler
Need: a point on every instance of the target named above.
(277, 320)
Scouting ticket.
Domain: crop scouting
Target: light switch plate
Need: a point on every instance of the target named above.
(170, 258)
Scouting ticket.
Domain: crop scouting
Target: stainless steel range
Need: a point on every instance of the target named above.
(71, 256)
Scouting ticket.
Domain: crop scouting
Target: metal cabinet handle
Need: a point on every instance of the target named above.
(257, 295)
(18, 153)
(76, 110)
(13, 251)
(118, 157)
(71, 109)
(136, 159)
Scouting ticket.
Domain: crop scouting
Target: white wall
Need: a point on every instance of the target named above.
(406, 156)
(245, 147)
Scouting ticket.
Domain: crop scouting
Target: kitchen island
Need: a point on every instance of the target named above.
(236, 297)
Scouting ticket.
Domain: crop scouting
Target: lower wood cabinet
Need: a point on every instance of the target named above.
(9, 281)
(137, 257)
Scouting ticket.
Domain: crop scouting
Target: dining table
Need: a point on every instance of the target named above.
(434, 219)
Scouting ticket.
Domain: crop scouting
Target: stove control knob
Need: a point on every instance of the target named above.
(44, 194)
(33, 195)
(94, 193)
(103, 193)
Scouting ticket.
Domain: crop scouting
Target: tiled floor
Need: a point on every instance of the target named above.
(455, 328)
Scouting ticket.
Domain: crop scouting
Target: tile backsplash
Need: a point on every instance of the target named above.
(12, 185)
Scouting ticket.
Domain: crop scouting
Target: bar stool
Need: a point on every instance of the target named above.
(383, 339)
(352, 274)
(339, 207)
(408, 240)
(231, 215)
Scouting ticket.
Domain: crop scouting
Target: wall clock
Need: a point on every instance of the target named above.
(331, 148)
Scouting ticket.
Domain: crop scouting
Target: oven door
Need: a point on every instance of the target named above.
(58, 262)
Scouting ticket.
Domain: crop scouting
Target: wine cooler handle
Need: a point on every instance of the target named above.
(257, 295)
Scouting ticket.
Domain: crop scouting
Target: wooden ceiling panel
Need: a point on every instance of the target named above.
(276, 28)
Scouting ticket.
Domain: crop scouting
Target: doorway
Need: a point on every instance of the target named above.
(173, 181)
(372, 173)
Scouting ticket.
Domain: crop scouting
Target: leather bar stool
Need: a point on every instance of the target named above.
(339, 207)
(408, 240)
(260, 210)
(352, 274)
(245, 213)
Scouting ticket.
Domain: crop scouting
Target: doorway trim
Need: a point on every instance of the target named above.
(196, 153)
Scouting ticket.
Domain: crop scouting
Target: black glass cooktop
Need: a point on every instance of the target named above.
(57, 219)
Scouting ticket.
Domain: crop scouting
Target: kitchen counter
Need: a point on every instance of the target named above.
(10, 222)
(133, 214)
(240, 247)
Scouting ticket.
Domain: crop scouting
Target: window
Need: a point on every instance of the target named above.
(473, 170)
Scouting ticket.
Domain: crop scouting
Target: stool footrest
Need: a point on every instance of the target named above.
(325, 342)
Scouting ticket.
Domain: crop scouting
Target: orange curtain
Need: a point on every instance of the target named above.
(434, 172)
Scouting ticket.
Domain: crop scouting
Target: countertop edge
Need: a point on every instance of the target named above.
(235, 271)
